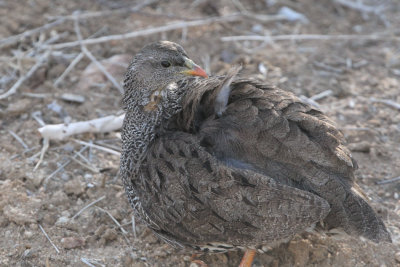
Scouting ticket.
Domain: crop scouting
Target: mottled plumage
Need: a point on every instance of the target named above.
(223, 162)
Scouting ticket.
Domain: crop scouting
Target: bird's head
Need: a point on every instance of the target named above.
(155, 67)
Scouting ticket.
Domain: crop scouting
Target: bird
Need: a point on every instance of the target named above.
(220, 163)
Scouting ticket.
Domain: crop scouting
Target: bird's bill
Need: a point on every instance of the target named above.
(193, 69)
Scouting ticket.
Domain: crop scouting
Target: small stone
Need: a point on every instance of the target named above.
(110, 235)
(49, 219)
(62, 220)
(300, 252)
(397, 256)
(28, 234)
(99, 231)
(18, 107)
(72, 242)
(74, 187)
(18, 215)
(363, 147)
(59, 198)
(73, 98)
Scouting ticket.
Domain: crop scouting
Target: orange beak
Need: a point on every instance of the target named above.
(193, 69)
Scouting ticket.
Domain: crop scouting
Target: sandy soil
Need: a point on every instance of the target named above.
(52, 198)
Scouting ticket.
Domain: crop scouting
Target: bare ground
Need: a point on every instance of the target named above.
(359, 73)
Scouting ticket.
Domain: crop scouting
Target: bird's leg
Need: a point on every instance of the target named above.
(248, 258)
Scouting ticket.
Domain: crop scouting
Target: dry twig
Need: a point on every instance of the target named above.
(16, 38)
(46, 143)
(61, 167)
(101, 125)
(23, 78)
(89, 262)
(388, 102)
(321, 95)
(87, 206)
(387, 181)
(48, 238)
(303, 37)
(119, 11)
(19, 139)
(114, 220)
(69, 68)
(361, 7)
(111, 151)
(144, 32)
(93, 59)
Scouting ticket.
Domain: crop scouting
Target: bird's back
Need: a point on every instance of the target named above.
(270, 131)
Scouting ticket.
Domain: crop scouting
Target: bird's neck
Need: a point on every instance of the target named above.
(138, 131)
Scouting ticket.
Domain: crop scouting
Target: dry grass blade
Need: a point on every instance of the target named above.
(321, 95)
(23, 78)
(144, 32)
(99, 147)
(89, 262)
(88, 206)
(119, 11)
(387, 181)
(19, 139)
(93, 59)
(61, 167)
(388, 102)
(114, 220)
(303, 37)
(69, 68)
(48, 238)
(46, 143)
(359, 6)
(87, 166)
(16, 38)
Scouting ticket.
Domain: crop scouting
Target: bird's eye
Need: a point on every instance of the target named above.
(165, 64)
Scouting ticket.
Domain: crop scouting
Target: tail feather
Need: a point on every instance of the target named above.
(357, 217)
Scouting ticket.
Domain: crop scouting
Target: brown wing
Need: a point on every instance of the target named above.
(193, 198)
(270, 131)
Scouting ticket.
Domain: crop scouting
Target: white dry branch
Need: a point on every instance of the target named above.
(100, 125)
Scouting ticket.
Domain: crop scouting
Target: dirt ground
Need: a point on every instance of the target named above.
(356, 76)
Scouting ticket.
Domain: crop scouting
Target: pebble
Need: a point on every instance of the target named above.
(62, 220)
(74, 187)
(73, 98)
(110, 235)
(397, 257)
(28, 234)
(18, 215)
(363, 147)
(72, 242)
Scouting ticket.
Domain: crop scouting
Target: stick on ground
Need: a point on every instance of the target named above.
(144, 32)
(48, 238)
(88, 206)
(23, 78)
